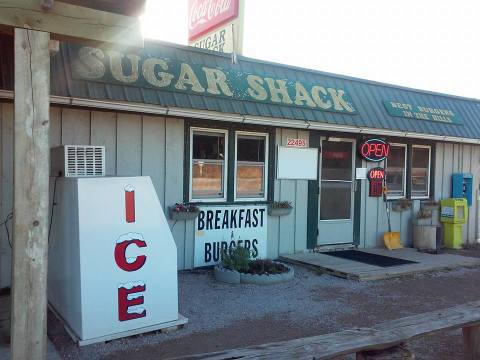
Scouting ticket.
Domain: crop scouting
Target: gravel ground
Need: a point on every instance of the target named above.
(224, 316)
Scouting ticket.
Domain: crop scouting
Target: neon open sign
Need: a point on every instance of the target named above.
(376, 174)
(374, 149)
(376, 177)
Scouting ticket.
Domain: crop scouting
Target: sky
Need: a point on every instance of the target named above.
(425, 44)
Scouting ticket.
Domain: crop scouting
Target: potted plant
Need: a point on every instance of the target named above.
(232, 262)
(280, 208)
(181, 211)
(266, 272)
(401, 205)
(236, 267)
(430, 205)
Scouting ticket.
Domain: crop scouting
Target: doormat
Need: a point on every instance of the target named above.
(368, 258)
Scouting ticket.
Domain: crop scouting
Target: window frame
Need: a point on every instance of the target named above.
(225, 166)
(265, 175)
(429, 168)
(404, 187)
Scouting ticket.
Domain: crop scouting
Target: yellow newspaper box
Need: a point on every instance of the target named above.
(454, 213)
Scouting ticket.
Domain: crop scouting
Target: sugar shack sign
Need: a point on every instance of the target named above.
(219, 40)
(149, 68)
(225, 227)
(421, 112)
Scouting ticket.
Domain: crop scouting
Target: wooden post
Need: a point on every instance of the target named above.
(471, 342)
(31, 171)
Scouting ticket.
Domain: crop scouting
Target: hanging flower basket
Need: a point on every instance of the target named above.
(183, 212)
(430, 205)
(280, 208)
(401, 205)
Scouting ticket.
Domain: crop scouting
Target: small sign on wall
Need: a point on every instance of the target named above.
(360, 173)
(220, 228)
(297, 163)
(301, 143)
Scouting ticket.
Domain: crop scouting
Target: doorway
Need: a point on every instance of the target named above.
(336, 192)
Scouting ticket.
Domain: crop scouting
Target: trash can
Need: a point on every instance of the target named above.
(454, 213)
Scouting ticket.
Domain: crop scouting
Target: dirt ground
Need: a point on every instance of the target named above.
(223, 316)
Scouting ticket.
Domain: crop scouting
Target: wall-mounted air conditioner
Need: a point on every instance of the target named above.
(78, 161)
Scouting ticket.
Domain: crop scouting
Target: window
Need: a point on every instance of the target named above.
(208, 164)
(217, 176)
(396, 171)
(251, 166)
(420, 185)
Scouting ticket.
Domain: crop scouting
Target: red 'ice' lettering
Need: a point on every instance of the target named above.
(129, 204)
(124, 303)
(121, 259)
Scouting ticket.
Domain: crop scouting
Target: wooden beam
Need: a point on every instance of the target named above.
(381, 336)
(471, 342)
(31, 171)
(71, 21)
(123, 7)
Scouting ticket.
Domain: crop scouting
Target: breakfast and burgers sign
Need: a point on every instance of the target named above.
(206, 15)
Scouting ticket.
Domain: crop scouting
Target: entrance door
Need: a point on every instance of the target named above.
(336, 193)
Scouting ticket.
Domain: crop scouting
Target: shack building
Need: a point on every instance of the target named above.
(233, 137)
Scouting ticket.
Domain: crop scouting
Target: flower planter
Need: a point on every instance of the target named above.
(235, 277)
(279, 211)
(399, 206)
(430, 207)
(226, 275)
(181, 215)
(267, 279)
(427, 238)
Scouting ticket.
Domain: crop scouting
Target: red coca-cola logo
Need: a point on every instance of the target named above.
(205, 15)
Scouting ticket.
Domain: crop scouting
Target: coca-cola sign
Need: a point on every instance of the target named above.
(206, 15)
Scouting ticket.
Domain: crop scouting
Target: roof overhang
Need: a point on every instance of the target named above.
(246, 119)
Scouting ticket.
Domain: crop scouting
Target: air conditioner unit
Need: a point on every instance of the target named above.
(78, 161)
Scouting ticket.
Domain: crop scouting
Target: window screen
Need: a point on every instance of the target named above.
(251, 166)
(420, 171)
(395, 171)
(208, 165)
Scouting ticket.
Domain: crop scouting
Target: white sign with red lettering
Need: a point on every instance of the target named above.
(113, 260)
(220, 39)
(206, 15)
(302, 143)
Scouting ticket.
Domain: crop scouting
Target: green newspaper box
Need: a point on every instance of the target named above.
(454, 213)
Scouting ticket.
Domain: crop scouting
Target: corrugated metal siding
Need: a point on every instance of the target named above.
(288, 234)
(449, 158)
(366, 95)
(135, 145)
(152, 146)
